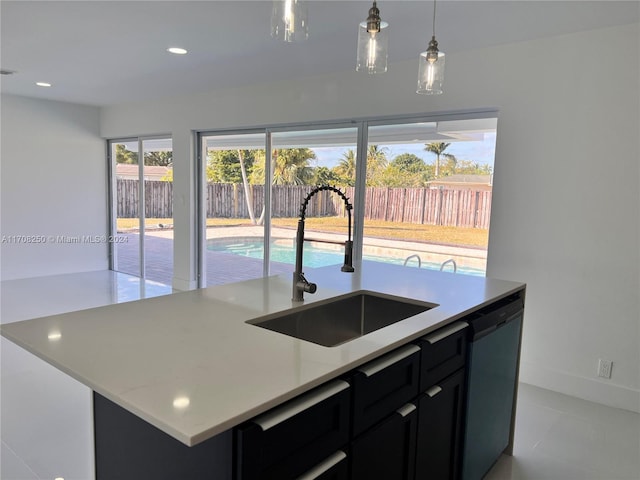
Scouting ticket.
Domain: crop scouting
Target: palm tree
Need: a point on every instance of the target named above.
(346, 168)
(292, 166)
(438, 149)
(376, 163)
(289, 166)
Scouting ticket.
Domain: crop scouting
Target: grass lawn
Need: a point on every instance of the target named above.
(400, 231)
(473, 237)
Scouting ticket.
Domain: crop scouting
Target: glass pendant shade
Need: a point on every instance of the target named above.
(372, 49)
(431, 65)
(373, 43)
(430, 74)
(289, 21)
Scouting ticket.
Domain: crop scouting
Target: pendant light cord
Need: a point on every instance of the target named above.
(434, 18)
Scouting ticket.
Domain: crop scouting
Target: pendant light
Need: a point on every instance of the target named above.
(431, 65)
(373, 42)
(289, 20)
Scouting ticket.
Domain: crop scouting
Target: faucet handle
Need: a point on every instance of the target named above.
(305, 285)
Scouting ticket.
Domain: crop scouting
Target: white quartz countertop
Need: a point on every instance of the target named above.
(190, 365)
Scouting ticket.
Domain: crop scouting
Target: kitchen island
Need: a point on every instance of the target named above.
(191, 366)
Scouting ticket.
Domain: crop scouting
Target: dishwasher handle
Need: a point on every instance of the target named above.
(495, 316)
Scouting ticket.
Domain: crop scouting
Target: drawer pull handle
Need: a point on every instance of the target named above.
(374, 367)
(406, 409)
(323, 466)
(445, 332)
(280, 414)
(433, 391)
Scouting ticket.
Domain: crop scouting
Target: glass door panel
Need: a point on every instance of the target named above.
(126, 212)
(302, 160)
(158, 209)
(428, 194)
(234, 209)
(142, 208)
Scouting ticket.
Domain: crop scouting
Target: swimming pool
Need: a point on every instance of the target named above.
(315, 256)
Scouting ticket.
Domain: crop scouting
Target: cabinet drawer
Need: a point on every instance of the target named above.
(290, 439)
(443, 352)
(334, 467)
(381, 386)
(387, 450)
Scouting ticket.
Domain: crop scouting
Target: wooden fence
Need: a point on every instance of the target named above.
(459, 208)
(157, 198)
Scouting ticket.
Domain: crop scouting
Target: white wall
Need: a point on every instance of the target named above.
(566, 192)
(53, 182)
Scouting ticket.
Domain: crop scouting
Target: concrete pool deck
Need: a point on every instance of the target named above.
(224, 268)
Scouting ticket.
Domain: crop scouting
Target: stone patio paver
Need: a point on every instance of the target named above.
(226, 267)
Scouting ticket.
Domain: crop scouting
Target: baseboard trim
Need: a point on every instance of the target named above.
(609, 394)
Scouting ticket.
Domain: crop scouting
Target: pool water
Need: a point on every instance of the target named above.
(315, 257)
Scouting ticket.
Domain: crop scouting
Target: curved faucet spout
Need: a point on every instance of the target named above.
(300, 283)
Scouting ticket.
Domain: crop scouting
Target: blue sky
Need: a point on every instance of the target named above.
(482, 152)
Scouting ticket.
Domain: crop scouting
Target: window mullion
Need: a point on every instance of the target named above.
(360, 192)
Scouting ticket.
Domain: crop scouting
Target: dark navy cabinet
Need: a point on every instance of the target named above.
(381, 386)
(387, 450)
(384, 423)
(402, 416)
(129, 448)
(441, 402)
(440, 429)
(405, 414)
(293, 438)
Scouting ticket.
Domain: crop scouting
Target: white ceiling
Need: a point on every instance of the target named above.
(111, 52)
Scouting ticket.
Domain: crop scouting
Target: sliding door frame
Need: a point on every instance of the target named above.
(113, 211)
(362, 125)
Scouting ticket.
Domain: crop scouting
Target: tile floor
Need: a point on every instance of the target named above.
(45, 415)
(557, 437)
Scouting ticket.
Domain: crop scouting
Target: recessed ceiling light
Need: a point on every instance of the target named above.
(43, 84)
(176, 50)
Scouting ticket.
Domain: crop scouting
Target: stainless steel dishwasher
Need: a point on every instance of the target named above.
(493, 362)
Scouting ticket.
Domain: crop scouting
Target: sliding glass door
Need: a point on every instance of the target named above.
(301, 161)
(420, 189)
(125, 253)
(252, 186)
(428, 193)
(233, 208)
(142, 208)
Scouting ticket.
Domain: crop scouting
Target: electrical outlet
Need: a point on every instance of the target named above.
(604, 368)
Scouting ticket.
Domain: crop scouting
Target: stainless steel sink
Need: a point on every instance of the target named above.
(343, 318)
